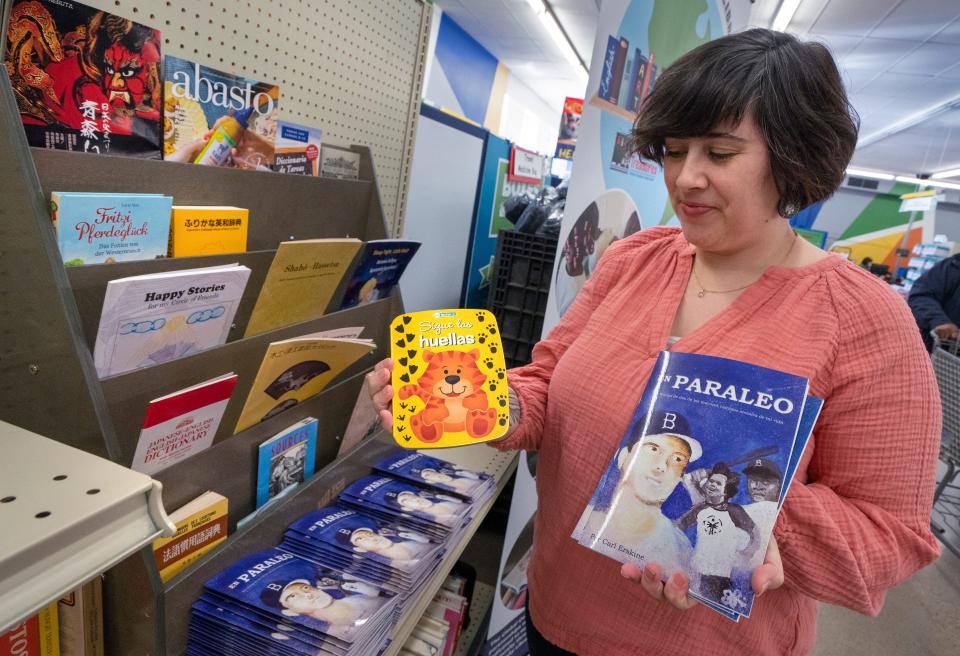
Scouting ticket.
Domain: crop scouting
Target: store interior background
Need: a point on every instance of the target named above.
(494, 64)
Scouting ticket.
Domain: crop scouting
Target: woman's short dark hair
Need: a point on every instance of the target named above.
(791, 88)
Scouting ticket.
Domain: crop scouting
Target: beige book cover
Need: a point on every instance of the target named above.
(81, 621)
(300, 282)
(293, 370)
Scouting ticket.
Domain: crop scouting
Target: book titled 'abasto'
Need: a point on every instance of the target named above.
(695, 483)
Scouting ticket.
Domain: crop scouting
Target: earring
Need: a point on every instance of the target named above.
(789, 210)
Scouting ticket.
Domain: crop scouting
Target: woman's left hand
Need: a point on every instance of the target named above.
(767, 576)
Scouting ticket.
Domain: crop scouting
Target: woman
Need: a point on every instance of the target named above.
(749, 128)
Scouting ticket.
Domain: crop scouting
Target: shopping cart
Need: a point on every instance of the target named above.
(945, 520)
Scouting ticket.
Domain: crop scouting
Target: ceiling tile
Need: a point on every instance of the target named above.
(877, 54)
(929, 59)
(806, 16)
(840, 44)
(949, 34)
(899, 85)
(916, 20)
(852, 17)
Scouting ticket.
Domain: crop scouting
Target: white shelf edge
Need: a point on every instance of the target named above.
(479, 457)
(73, 515)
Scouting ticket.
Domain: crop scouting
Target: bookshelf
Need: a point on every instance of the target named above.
(48, 318)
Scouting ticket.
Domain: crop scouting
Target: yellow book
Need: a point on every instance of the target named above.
(300, 282)
(295, 369)
(450, 379)
(201, 525)
(207, 230)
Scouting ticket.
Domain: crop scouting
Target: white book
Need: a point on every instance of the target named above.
(159, 317)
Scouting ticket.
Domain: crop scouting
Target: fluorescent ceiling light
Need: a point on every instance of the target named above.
(951, 173)
(928, 183)
(863, 173)
(550, 24)
(785, 14)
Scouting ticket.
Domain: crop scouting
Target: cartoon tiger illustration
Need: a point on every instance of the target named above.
(451, 388)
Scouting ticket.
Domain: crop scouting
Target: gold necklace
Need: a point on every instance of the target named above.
(704, 291)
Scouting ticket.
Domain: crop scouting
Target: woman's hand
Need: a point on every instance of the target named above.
(381, 392)
(767, 576)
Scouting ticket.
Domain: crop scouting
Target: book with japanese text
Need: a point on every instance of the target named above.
(85, 79)
(293, 370)
(207, 230)
(201, 525)
(676, 491)
(182, 424)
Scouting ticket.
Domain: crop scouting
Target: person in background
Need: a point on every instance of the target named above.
(935, 301)
(749, 129)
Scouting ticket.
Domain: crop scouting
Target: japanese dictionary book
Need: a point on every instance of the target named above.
(203, 230)
(675, 493)
(97, 228)
(159, 317)
(182, 424)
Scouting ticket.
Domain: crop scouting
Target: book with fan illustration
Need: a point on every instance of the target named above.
(450, 379)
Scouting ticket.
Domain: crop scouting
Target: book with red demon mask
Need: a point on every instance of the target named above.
(84, 79)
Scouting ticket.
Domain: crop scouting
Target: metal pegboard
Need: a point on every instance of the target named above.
(353, 68)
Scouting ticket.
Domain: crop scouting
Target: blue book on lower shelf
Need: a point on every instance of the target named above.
(286, 459)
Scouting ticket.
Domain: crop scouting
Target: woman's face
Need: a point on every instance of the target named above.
(721, 187)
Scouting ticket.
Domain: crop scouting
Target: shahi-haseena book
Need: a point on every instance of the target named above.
(378, 270)
(85, 79)
(286, 459)
(295, 369)
(159, 317)
(201, 525)
(300, 282)
(196, 96)
(182, 424)
(450, 379)
(676, 490)
(105, 228)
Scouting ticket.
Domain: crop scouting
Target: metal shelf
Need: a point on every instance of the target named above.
(480, 457)
(472, 639)
(69, 515)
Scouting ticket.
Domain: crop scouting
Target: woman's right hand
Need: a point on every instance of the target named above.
(381, 392)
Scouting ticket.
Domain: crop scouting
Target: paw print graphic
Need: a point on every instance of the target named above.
(502, 400)
(482, 338)
(501, 373)
(489, 362)
(492, 386)
(481, 317)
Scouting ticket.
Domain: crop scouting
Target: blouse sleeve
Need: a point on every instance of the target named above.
(531, 382)
(861, 523)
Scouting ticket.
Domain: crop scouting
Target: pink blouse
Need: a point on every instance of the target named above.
(855, 522)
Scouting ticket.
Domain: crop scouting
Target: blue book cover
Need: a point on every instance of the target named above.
(97, 228)
(407, 500)
(675, 492)
(378, 270)
(609, 61)
(364, 536)
(427, 470)
(288, 588)
(286, 459)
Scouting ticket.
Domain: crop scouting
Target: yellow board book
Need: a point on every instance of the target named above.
(201, 525)
(450, 379)
(300, 282)
(207, 230)
(293, 370)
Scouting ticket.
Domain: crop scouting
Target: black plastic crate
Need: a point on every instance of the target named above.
(519, 287)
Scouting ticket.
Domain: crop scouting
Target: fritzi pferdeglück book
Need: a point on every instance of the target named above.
(449, 378)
